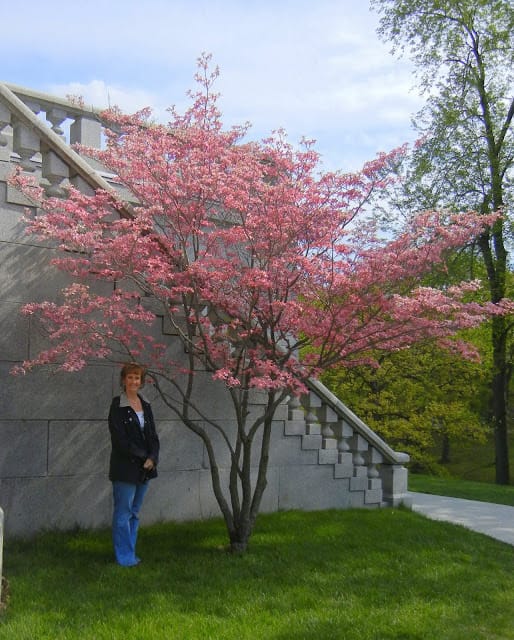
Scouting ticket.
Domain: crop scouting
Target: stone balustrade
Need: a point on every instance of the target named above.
(37, 131)
(74, 123)
(356, 452)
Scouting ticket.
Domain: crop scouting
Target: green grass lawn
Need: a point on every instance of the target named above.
(457, 488)
(342, 575)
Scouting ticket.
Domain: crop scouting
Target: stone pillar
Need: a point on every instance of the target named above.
(56, 117)
(394, 485)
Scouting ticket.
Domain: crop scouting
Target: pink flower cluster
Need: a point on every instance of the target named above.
(264, 266)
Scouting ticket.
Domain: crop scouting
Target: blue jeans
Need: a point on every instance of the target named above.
(128, 499)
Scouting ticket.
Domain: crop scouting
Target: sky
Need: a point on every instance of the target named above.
(317, 69)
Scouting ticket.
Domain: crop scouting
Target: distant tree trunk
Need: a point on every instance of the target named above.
(499, 402)
(445, 450)
(495, 258)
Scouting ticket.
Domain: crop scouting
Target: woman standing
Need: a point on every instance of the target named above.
(134, 457)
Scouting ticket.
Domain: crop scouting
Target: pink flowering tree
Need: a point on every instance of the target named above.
(266, 270)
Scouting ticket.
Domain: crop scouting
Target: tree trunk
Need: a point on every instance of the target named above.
(445, 449)
(499, 402)
(496, 269)
(240, 537)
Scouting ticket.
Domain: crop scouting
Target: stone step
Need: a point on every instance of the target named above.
(310, 442)
(295, 428)
(327, 456)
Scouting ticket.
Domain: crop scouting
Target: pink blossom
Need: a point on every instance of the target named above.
(264, 266)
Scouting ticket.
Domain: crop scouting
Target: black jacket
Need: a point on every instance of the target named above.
(130, 446)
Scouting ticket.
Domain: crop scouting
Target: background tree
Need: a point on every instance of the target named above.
(423, 400)
(464, 55)
(251, 257)
(420, 400)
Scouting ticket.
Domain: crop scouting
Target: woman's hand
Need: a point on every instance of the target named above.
(148, 464)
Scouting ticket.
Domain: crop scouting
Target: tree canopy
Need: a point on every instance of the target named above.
(464, 56)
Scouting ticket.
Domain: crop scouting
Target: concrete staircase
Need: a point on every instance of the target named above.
(374, 472)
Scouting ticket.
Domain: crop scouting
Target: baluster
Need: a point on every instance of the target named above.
(25, 144)
(344, 466)
(328, 417)
(295, 411)
(358, 446)
(56, 117)
(328, 435)
(55, 171)
(295, 423)
(5, 121)
(374, 491)
(312, 439)
(311, 402)
(313, 424)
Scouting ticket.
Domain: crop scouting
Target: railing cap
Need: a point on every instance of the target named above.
(48, 101)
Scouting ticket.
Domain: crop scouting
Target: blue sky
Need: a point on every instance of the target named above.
(316, 69)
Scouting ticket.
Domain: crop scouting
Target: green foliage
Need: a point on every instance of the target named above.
(464, 56)
(426, 400)
(355, 574)
(436, 34)
(420, 401)
(457, 488)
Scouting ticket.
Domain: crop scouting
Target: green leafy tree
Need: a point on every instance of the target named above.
(422, 400)
(464, 55)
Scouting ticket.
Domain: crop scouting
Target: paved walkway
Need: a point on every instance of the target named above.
(495, 520)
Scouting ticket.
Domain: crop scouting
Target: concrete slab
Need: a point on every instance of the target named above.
(495, 520)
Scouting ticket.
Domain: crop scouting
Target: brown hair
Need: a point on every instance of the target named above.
(132, 367)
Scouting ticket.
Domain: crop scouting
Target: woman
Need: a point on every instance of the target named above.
(134, 457)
